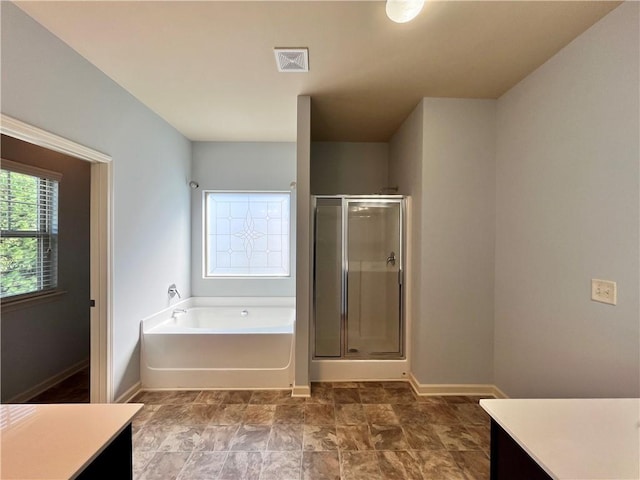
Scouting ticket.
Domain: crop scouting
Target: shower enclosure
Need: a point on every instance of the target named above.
(358, 277)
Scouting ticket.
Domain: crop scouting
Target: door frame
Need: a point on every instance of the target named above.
(101, 248)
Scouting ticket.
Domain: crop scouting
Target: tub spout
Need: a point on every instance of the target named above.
(178, 311)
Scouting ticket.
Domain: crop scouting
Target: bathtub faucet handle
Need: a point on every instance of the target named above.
(173, 291)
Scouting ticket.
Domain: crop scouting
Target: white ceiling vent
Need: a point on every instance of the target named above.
(292, 59)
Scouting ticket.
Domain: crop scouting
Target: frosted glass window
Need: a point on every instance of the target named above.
(246, 234)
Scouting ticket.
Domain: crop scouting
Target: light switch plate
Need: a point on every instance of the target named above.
(603, 291)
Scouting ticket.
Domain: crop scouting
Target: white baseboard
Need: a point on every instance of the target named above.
(499, 393)
(49, 382)
(444, 389)
(129, 394)
(419, 389)
(301, 391)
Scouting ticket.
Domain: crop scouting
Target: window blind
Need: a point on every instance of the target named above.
(29, 229)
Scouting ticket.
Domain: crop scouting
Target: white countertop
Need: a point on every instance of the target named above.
(57, 441)
(575, 439)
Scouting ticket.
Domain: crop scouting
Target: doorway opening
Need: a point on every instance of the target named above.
(99, 257)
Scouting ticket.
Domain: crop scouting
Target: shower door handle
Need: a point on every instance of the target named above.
(391, 259)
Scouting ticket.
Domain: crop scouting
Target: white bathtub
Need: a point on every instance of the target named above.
(240, 342)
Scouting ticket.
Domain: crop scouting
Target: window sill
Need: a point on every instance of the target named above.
(26, 301)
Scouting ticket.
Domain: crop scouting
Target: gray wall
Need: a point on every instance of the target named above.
(458, 231)
(42, 340)
(240, 166)
(405, 171)
(567, 212)
(47, 84)
(349, 168)
(303, 242)
(451, 177)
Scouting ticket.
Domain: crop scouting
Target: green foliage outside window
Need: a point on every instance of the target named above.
(19, 265)
(28, 220)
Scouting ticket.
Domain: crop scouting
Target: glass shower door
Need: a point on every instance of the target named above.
(374, 265)
(328, 267)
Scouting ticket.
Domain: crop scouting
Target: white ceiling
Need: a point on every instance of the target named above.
(208, 67)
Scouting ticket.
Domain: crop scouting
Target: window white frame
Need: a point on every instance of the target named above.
(45, 231)
(246, 234)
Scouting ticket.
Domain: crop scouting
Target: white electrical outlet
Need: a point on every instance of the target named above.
(603, 291)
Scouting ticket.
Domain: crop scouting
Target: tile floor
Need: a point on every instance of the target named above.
(74, 389)
(368, 431)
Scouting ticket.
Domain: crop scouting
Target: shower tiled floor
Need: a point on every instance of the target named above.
(364, 430)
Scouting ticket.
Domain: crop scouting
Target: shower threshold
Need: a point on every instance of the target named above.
(351, 369)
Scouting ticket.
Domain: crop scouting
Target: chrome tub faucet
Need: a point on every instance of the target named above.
(173, 291)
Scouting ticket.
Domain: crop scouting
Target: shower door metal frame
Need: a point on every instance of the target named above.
(344, 206)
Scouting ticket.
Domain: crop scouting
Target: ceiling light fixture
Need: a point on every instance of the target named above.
(403, 11)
